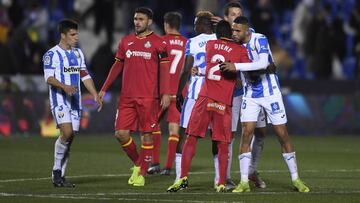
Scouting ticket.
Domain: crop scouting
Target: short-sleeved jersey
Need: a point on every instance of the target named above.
(68, 67)
(216, 86)
(141, 57)
(264, 84)
(176, 49)
(196, 47)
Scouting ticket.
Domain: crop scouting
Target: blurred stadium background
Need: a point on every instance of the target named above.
(316, 44)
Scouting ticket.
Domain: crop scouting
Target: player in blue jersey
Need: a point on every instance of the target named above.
(261, 90)
(233, 10)
(194, 57)
(64, 66)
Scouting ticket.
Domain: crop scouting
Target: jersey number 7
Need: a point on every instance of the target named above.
(177, 56)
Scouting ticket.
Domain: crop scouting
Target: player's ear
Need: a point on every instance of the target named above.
(150, 22)
(62, 35)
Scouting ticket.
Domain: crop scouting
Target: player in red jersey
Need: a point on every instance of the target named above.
(213, 105)
(176, 48)
(137, 59)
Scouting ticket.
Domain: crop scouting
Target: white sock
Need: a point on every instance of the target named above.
(63, 167)
(216, 166)
(177, 166)
(228, 172)
(290, 160)
(59, 152)
(257, 146)
(244, 160)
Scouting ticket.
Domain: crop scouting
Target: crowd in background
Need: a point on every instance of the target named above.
(310, 39)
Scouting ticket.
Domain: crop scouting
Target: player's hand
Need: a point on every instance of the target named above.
(238, 83)
(215, 19)
(99, 102)
(271, 68)
(165, 101)
(228, 67)
(70, 90)
(101, 95)
(179, 102)
(194, 70)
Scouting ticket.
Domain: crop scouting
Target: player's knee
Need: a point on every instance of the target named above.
(122, 136)
(147, 138)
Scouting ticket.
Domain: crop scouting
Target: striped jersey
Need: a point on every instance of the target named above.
(240, 91)
(256, 86)
(196, 47)
(68, 67)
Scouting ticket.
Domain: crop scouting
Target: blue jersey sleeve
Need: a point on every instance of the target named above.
(187, 48)
(263, 45)
(48, 60)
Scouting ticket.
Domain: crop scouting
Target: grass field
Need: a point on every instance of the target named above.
(329, 165)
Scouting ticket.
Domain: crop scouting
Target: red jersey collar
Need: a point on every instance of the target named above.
(150, 33)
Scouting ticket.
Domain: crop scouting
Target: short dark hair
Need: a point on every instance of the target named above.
(145, 10)
(204, 21)
(242, 20)
(232, 4)
(223, 29)
(66, 24)
(173, 19)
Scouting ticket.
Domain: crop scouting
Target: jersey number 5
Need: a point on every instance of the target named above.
(215, 59)
(177, 56)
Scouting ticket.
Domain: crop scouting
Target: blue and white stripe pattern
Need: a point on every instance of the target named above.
(196, 47)
(65, 66)
(265, 84)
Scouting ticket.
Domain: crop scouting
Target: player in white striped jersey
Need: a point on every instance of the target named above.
(262, 90)
(64, 66)
(194, 57)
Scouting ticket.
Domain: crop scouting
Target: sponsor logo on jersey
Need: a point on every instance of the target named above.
(130, 43)
(145, 55)
(71, 69)
(147, 44)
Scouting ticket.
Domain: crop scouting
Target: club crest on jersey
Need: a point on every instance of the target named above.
(61, 114)
(147, 44)
(275, 108)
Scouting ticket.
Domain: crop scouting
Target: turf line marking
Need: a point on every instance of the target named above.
(77, 197)
(191, 173)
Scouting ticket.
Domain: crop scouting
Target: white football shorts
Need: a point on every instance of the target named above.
(63, 114)
(261, 121)
(273, 105)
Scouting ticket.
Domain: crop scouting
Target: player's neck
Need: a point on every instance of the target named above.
(143, 34)
(173, 32)
(247, 38)
(64, 46)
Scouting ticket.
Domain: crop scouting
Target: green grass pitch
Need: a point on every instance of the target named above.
(330, 165)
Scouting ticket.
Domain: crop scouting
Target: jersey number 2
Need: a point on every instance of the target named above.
(215, 59)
